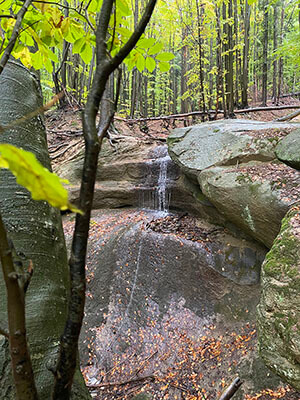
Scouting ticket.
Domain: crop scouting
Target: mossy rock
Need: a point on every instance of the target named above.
(279, 307)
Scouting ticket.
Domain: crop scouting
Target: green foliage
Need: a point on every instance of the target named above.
(45, 28)
(42, 184)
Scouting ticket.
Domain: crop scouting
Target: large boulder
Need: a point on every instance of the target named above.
(279, 308)
(288, 149)
(255, 196)
(226, 142)
(234, 166)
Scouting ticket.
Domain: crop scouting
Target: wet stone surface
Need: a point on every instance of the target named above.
(166, 315)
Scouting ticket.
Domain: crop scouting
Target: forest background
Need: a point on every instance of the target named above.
(195, 55)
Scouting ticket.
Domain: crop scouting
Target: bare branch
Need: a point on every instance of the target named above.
(134, 38)
(33, 114)
(232, 388)
(14, 35)
(69, 340)
(23, 377)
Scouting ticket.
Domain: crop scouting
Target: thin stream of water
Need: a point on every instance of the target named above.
(155, 195)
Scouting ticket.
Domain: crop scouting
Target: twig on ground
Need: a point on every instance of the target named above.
(288, 117)
(111, 384)
(231, 390)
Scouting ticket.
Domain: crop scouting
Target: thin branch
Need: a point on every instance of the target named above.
(231, 390)
(87, 16)
(33, 114)
(122, 383)
(67, 360)
(288, 117)
(62, 6)
(14, 34)
(69, 341)
(114, 29)
(134, 38)
(20, 357)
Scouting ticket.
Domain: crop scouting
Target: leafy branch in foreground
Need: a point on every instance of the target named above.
(42, 184)
(105, 66)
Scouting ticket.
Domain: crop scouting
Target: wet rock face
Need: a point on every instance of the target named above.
(149, 292)
(279, 307)
(128, 175)
(288, 149)
(234, 165)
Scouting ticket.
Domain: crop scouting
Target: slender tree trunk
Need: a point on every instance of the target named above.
(265, 53)
(220, 103)
(211, 64)
(246, 55)
(275, 35)
(280, 62)
(237, 55)
(134, 82)
(183, 86)
(200, 55)
(228, 47)
(255, 56)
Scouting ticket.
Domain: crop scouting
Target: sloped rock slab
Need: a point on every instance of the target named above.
(279, 307)
(155, 300)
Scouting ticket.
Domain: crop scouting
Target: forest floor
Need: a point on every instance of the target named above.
(65, 139)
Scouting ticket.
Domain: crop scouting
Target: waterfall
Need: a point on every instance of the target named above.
(155, 194)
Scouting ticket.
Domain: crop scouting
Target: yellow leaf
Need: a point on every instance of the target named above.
(42, 184)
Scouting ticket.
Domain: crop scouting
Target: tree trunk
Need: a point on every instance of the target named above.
(280, 62)
(255, 56)
(265, 54)
(36, 231)
(183, 87)
(237, 55)
(228, 47)
(246, 55)
(220, 104)
(200, 55)
(275, 69)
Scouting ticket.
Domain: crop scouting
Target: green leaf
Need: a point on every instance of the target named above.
(86, 53)
(52, 56)
(123, 7)
(165, 56)
(140, 63)
(42, 184)
(155, 49)
(77, 46)
(164, 66)
(150, 64)
(145, 43)
(93, 6)
(37, 60)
